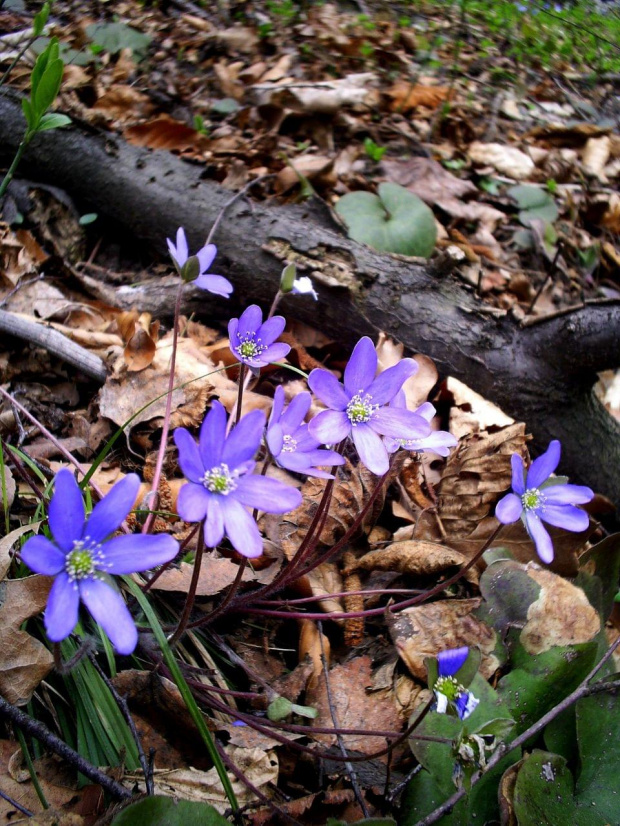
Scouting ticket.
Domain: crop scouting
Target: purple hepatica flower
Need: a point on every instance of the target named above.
(537, 499)
(206, 281)
(221, 483)
(359, 408)
(448, 691)
(289, 441)
(81, 559)
(252, 342)
(439, 441)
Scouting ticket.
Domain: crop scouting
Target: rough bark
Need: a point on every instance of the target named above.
(542, 373)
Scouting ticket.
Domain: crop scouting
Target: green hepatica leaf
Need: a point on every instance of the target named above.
(534, 202)
(508, 592)
(113, 37)
(395, 220)
(166, 811)
(53, 120)
(543, 794)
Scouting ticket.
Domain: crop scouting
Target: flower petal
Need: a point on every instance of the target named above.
(275, 439)
(274, 352)
(544, 466)
(108, 609)
(371, 449)
(61, 613)
(296, 412)
(42, 556)
(509, 509)
(182, 247)
(400, 424)
(440, 442)
(244, 439)
(362, 367)
(66, 510)
(465, 704)
(330, 427)
(542, 540)
(518, 474)
(212, 436)
(241, 528)
(450, 660)
(214, 523)
(267, 494)
(387, 384)
(329, 390)
(300, 463)
(426, 410)
(193, 502)
(216, 284)
(565, 516)
(138, 552)
(206, 256)
(278, 405)
(108, 514)
(189, 455)
(567, 495)
(249, 322)
(271, 330)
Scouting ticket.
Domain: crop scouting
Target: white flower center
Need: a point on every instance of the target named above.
(85, 558)
(361, 409)
(532, 499)
(249, 346)
(290, 444)
(450, 688)
(219, 480)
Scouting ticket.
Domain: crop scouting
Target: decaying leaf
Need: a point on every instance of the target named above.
(353, 708)
(164, 133)
(310, 646)
(506, 159)
(561, 615)
(428, 179)
(425, 630)
(124, 103)
(139, 336)
(416, 558)
(24, 661)
(408, 96)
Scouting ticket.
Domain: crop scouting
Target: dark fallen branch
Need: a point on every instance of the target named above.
(47, 738)
(541, 373)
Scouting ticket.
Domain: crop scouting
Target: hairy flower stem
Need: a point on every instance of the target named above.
(148, 585)
(148, 523)
(242, 379)
(221, 608)
(191, 594)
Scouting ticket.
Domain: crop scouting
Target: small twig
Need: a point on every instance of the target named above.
(37, 729)
(17, 805)
(85, 649)
(332, 710)
(582, 690)
(547, 278)
(227, 599)
(121, 702)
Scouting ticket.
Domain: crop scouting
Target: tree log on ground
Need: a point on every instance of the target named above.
(542, 373)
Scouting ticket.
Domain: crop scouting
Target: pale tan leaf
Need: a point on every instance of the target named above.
(506, 159)
(416, 558)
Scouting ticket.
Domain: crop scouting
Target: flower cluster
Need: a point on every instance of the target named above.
(449, 693)
(539, 497)
(81, 556)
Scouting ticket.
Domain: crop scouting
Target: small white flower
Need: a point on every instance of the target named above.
(304, 286)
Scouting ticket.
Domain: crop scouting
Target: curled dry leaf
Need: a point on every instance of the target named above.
(311, 167)
(425, 630)
(562, 614)
(348, 684)
(418, 387)
(506, 159)
(412, 557)
(475, 475)
(595, 156)
(165, 133)
(406, 96)
(471, 411)
(310, 647)
(139, 336)
(124, 103)
(24, 661)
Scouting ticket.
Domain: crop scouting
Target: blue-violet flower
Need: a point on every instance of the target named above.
(359, 408)
(252, 342)
(221, 485)
(448, 691)
(199, 264)
(81, 557)
(538, 498)
(439, 441)
(289, 441)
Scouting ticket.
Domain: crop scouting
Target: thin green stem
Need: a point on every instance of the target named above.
(11, 171)
(31, 769)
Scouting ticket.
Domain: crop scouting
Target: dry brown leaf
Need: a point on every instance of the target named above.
(407, 96)
(562, 614)
(164, 133)
(425, 630)
(216, 574)
(17, 258)
(472, 412)
(311, 167)
(310, 647)
(417, 558)
(506, 159)
(475, 474)
(595, 156)
(24, 661)
(427, 179)
(353, 707)
(325, 98)
(7, 542)
(558, 134)
(124, 103)
(139, 336)
(418, 387)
